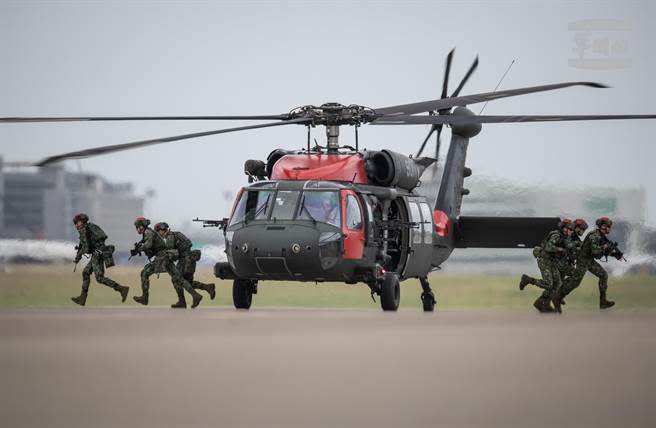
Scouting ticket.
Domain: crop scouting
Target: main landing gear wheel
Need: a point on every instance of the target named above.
(242, 293)
(390, 292)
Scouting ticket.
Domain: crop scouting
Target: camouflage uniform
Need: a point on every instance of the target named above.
(92, 241)
(187, 259)
(154, 246)
(591, 249)
(567, 264)
(548, 256)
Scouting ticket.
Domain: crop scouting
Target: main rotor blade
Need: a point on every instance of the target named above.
(464, 80)
(136, 144)
(447, 70)
(136, 118)
(458, 120)
(425, 106)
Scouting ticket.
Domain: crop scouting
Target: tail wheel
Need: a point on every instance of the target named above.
(390, 292)
(242, 293)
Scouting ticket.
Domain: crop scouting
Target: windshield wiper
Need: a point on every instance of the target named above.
(262, 207)
(303, 207)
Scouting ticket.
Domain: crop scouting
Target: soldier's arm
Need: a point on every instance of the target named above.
(551, 245)
(80, 251)
(147, 241)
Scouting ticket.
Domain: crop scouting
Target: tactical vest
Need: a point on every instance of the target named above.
(181, 242)
(543, 244)
(92, 238)
(586, 248)
(158, 244)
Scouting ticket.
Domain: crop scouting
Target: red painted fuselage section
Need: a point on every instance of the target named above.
(326, 167)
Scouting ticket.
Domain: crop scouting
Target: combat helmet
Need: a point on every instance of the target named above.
(80, 217)
(604, 220)
(161, 226)
(141, 221)
(566, 223)
(580, 223)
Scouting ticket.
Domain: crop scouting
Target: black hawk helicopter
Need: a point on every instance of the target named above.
(337, 213)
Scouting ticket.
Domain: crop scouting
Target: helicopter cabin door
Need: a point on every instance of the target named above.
(420, 241)
(352, 226)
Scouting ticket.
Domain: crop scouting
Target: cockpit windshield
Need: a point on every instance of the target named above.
(320, 206)
(252, 205)
(316, 205)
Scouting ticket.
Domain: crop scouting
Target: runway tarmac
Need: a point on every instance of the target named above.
(157, 367)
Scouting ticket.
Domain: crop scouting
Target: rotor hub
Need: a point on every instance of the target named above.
(334, 114)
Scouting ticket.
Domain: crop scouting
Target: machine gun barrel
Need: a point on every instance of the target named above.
(213, 223)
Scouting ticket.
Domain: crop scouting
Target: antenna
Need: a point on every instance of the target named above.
(498, 84)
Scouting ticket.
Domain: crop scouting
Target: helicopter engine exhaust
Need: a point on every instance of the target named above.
(391, 169)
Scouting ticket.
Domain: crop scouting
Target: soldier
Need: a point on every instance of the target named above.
(548, 255)
(92, 241)
(187, 258)
(595, 246)
(568, 268)
(154, 246)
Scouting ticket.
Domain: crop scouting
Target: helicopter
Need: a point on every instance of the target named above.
(341, 214)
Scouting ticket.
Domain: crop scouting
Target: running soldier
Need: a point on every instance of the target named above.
(548, 255)
(92, 242)
(567, 270)
(186, 258)
(595, 246)
(154, 246)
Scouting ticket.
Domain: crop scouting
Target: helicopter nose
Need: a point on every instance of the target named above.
(276, 251)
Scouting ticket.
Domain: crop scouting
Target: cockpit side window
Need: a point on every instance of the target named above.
(321, 206)
(353, 213)
(252, 205)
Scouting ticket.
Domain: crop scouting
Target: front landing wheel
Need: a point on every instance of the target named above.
(390, 292)
(242, 293)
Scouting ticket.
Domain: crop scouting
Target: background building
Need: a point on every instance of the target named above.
(39, 203)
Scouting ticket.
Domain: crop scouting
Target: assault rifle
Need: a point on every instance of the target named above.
(612, 250)
(222, 224)
(137, 251)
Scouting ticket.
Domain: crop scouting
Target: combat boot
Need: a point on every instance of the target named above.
(123, 290)
(143, 299)
(526, 280)
(196, 298)
(603, 303)
(181, 303)
(542, 305)
(556, 305)
(211, 289)
(81, 299)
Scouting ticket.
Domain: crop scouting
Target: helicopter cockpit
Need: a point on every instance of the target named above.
(294, 229)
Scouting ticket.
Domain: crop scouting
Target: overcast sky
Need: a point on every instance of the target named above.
(207, 58)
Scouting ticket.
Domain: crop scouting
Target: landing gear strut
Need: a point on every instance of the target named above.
(427, 296)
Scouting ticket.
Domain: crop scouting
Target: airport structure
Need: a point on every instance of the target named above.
(39, 203)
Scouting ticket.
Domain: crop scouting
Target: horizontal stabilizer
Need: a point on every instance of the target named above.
(503, 232)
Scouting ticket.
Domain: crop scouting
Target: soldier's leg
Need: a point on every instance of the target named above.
(543, 304)
(556, 289)
(86, 279)
(99, 271)
(180, 283)
(597, 270)
(572, 282)
(146, 273)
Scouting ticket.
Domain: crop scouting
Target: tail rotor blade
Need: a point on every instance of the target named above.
(447, 71)
(423, 145)
(471, 70)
